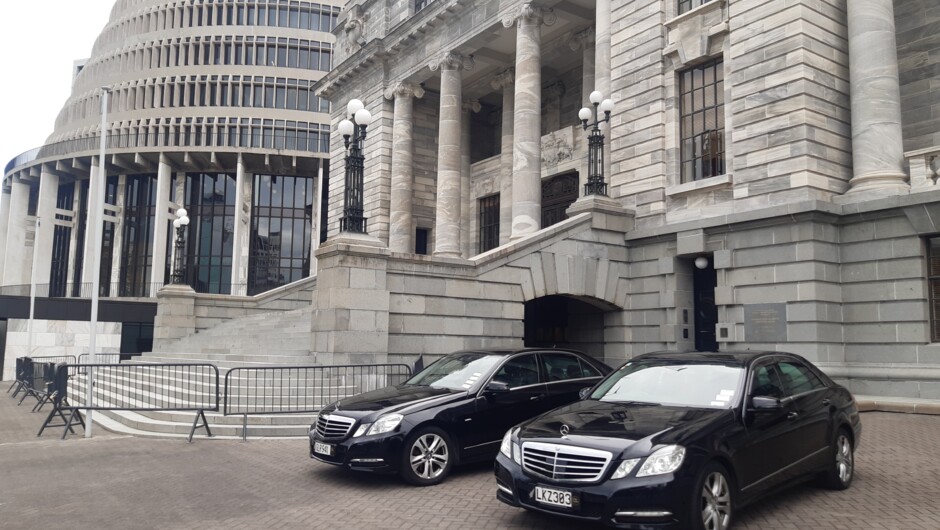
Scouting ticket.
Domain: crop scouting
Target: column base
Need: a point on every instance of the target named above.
(875, 185)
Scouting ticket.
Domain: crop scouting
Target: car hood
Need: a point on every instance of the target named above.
(401, 399)
(621, 426)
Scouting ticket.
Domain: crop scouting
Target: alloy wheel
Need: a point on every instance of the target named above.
(716, 502)
(429, 456)
(845, 461)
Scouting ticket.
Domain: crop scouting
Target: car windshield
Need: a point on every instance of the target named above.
(457, 371)
(672, 383)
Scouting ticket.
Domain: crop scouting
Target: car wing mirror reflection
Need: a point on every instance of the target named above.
(765, 404)
(496, 387)
(583, 393)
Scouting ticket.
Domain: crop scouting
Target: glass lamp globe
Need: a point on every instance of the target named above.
(584, 114)
(596, 97)
(181, 212)
(363, 117)
(607, 105)
(353, 107)
(346, 128)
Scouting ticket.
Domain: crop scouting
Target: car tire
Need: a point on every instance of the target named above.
(713, 500)
(841, 467)
(428, 457)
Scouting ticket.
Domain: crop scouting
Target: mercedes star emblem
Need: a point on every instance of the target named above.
(564, 430)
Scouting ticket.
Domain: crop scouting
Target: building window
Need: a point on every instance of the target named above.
(210, 201)
(421, 240)
(61, 239)
(701, 108)
(281, 224)
(140, 202)
(689, 5)
(489, 222)
(421, 4)
(933, 279)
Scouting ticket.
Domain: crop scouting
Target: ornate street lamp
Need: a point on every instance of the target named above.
(353, 130)
(180, 223)
(595, 183)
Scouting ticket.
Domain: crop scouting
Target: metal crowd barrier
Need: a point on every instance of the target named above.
(25, 375)
(100, 358)
(137, 387)
(302, 389)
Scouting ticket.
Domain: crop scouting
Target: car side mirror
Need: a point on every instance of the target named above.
(583, 393)
(765, 404)
(496, 387)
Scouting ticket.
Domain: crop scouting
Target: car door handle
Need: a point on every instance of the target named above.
(826, 402)
(792, 415)
(535, 398)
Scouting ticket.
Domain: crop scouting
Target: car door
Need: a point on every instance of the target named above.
(810, 400)
(497, 412)
(565, 375)
(763, 451)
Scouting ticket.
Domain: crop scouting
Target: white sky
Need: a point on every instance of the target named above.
(39, 40)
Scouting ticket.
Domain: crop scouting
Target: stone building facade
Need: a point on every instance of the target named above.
(771, 172)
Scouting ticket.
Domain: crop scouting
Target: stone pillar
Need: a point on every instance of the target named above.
(161, 220)
(48, 196)
(527, 127)
(241, 246)
(4, 226)
(469, 105)
(176, 315)
(877, 141)
(401, 234)
(14, 273)
(92, 229)
(504, 81)
(447, 210)
(602, 70)
(114, 214)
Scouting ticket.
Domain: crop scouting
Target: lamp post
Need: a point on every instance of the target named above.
(595, 183)
(353, 129)
(180, 224)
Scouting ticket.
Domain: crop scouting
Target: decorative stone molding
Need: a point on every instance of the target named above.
(504, 79)
(531, 13)
(355, 24)
(694, 35)
(472, 105)
(556, 148)
(452, 61)
(404, 89)
(581, 39)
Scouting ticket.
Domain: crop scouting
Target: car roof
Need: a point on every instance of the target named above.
(742, 358)
(512, 351)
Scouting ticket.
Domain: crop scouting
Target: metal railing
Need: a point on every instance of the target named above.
(100, 358)
(179, 387)
(302, 389)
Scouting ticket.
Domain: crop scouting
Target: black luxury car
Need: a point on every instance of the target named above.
(682, 440)
(454, 411)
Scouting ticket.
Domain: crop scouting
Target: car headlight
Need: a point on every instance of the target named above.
(362, 430)
(506, 446)
(625, 468)
(662, 461)
(385, 424)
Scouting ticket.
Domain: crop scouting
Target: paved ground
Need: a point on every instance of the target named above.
(123, 482)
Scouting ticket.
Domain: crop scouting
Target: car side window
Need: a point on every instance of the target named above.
(766, 383)
(560, 366)
(798, 378)
(588, 370)
(519, 371)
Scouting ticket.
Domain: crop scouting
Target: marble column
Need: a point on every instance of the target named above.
(401, 233)
(602, 69)
(161, 220)
(504, 81)
(527, 126)
(14, 273)
(469, 105)
(584, 41)
(241, 232)
(92, 229)
(4, 226)
(45, 210)
(447, 210)
(877, 140)
(114, 214)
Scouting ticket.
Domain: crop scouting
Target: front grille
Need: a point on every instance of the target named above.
(564, 463)
(330, 426)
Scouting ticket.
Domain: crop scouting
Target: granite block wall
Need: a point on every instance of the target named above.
(916, 23)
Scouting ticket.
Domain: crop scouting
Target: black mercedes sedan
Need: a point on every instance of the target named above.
(454, 411)
(682, 440)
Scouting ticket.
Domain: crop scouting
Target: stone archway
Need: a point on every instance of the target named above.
(563, 321)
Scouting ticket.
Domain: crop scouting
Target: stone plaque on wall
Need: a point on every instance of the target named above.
(765, 322)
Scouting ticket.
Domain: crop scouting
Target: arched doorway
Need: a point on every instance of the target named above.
(561, 321)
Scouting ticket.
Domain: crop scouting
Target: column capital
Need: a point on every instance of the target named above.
(580, 39)
(504, 79)
(452, 61)
(404, 89)
(471, 105)
(532, 14)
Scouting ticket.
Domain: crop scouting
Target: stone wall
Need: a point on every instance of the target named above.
(916, 22)
(56, 337)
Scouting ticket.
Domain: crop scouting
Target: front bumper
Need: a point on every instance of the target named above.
(380, 453)
(649, 502)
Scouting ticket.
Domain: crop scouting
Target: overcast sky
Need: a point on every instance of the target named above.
(39, 40)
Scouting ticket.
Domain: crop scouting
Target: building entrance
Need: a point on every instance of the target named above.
(557, 195)
(704, 281)
(565, 322)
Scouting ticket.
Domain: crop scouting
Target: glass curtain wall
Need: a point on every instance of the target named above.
(210, 203)
(282, 207)
(61, 239)
(137, 252)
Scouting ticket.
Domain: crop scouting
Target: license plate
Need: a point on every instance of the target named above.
(322, 449)
(553, 497)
